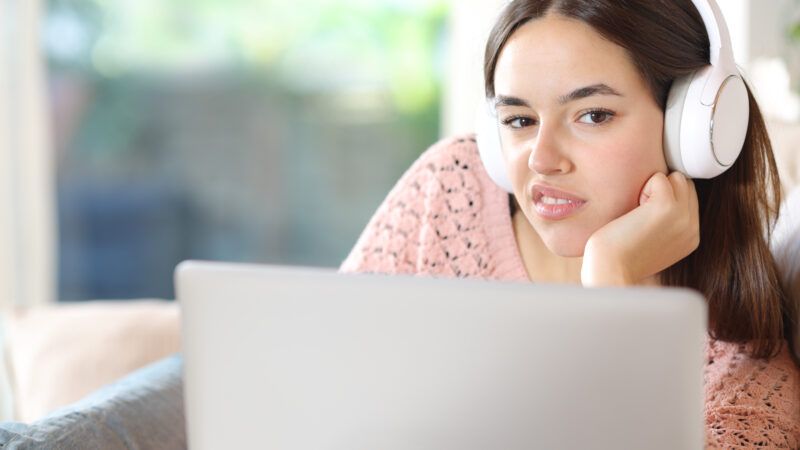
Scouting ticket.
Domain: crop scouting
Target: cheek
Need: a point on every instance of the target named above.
(618, 177)
(518, 170)
(614, 192)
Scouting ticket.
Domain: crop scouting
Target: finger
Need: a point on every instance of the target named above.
(680, 187)
(657, 188)
(694, 202)
(686, 193)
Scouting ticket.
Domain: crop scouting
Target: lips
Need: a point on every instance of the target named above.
(555, 204)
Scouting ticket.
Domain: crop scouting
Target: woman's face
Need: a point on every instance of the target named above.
(581, 131)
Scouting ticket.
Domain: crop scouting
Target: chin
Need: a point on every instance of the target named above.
(566, 248)
(568, 238)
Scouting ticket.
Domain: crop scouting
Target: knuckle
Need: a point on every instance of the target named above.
(677, 176)
(693, 245)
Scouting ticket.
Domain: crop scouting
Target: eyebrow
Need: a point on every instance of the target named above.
(577, 94)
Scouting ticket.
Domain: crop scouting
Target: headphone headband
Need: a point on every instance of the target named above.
(718, 34)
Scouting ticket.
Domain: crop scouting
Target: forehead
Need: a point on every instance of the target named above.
(552, 55)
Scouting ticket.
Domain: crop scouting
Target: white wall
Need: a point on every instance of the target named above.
(768, 22)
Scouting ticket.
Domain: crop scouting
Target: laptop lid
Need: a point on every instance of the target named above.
(296, 358)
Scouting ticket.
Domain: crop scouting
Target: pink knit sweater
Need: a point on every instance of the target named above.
(445, 217)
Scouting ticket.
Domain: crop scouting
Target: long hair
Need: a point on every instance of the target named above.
(733, 266)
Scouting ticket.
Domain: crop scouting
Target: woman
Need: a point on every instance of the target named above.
(580, 89)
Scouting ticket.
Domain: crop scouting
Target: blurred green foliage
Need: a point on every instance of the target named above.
(308, 44)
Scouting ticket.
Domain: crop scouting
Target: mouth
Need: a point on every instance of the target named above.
(555, 204)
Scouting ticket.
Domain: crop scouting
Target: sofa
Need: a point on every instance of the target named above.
(55, 358)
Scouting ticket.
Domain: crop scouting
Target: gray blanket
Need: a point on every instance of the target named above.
(144, 410)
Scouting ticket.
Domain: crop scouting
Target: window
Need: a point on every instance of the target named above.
(27, 233)
(258, 131)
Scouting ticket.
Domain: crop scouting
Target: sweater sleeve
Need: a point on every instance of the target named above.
(443, 218)
(390, 243)
(751, 403)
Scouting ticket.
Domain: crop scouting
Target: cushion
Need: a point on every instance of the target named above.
(143, 410)
(786, 249)
(6, 392)
(58, 354)
(785, 138)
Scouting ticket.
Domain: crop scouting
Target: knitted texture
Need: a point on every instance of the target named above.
(446, 218)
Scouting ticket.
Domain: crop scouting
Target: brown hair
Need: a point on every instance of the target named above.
(733, 266)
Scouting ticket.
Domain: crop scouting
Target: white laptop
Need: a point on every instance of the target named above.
(307, 359)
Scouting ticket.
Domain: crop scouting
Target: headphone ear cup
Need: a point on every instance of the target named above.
(703, 140)
(730, 119)
(491, 149)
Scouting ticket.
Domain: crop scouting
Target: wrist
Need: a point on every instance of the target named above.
(605, 277)
(604, 269)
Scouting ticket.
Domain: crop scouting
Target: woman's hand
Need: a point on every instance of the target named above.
(662, 230)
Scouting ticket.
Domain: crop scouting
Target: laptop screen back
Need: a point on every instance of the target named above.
(290, 359)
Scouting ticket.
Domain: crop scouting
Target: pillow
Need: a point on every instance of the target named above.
(786, 249)
(6, 393)
(60, 353)
(143, 410)
(785, 137)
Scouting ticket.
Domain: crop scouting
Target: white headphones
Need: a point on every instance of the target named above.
(705, 122)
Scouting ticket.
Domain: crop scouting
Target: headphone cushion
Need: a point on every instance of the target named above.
(673, 118)
(490, 148)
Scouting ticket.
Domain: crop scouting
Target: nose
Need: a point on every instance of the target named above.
(546, 153)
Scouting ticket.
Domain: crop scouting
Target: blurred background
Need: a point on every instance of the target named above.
(258, 131)
(138, 133)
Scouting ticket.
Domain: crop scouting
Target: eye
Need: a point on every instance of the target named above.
(597, 117)
(518, 122)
